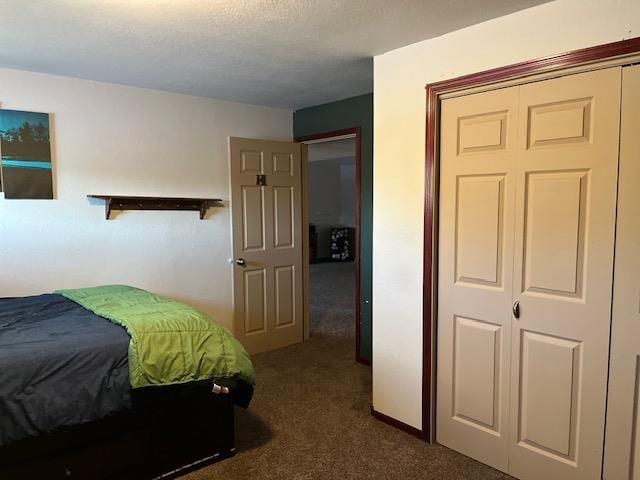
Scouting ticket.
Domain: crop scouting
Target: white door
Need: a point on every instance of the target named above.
(266, 209)
(477, 194)
(622, 446)
(527, 217)
(567, 165)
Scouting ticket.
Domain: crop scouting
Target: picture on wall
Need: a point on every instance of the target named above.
(26, 155)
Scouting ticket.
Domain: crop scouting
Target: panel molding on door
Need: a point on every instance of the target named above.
(566, 183)
(477, 363)
(479, 229)
(556, 363)
(474, 274)
(253, 234)
(554, 244)
(266, 209)
(622, 446)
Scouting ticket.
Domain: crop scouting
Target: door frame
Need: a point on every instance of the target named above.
(328, 136)
(620, 53)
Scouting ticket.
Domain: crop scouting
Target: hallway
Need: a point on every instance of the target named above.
(332, 300)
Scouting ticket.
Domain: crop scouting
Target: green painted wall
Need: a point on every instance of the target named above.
(349, 113)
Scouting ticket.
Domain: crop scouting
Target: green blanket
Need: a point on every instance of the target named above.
(170, 342)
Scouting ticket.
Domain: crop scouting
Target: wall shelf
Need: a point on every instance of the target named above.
(117, 202)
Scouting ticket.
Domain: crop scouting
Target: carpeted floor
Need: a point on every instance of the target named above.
(310, 417)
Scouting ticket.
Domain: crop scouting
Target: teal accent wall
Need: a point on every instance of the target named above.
(349, 113)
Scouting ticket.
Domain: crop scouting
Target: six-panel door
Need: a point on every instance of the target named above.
(527, 212)
(266, 210)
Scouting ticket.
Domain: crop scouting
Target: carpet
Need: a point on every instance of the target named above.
(311, 414)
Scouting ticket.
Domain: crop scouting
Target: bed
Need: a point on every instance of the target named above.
(91, 386)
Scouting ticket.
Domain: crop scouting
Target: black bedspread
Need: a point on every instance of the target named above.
(60, 365)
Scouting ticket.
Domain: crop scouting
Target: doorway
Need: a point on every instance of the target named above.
(332, 196)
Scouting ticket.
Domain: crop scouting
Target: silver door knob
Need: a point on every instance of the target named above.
(516, 309)
(240, 262)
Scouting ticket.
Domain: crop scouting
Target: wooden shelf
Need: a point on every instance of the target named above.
(115, 202)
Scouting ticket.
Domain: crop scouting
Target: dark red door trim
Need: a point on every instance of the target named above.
(434, 90)
(396, 423)
(358, 188)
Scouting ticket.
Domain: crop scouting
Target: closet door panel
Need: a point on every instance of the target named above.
(475, 267)
(566, 182)
(622, 446)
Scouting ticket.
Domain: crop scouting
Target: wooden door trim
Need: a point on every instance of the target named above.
(618, 53)
(358, 192)
(396, 423)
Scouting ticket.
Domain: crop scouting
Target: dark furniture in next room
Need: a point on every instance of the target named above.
(342, 244)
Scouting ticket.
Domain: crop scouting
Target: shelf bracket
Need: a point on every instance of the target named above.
(107, 208)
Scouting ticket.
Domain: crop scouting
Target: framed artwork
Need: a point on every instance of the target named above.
(26, 171)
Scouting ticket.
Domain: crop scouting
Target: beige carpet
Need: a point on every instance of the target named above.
(310, 417)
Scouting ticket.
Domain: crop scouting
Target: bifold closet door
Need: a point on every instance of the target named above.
(566, 185)
(528, 180)
(477, 169)
(622, 446)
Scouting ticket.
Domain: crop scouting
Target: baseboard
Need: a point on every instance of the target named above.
(398, 424)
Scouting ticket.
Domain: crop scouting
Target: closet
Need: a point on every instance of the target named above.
(527, 233)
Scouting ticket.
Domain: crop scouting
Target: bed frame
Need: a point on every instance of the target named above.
(169, 431)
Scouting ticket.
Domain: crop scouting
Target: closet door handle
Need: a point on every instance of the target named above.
(516, 309)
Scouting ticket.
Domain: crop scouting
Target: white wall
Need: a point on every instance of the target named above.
(109, 139)
(399, 145)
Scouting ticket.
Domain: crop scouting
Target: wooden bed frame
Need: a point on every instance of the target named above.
(169, 431)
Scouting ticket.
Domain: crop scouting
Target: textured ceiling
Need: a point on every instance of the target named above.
(282, 53)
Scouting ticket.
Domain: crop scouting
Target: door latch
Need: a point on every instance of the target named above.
(516, 309)
(261, 180)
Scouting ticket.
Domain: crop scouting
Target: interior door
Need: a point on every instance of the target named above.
(567, 166)
(622, 446)
(476, 226)
(266, 209)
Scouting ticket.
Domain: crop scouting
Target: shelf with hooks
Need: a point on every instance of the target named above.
(119, 202)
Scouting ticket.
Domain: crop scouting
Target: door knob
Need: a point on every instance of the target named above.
(516, 309)
(240, 262)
